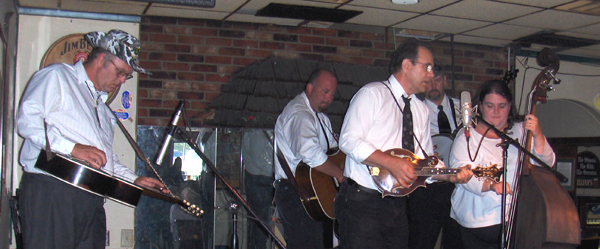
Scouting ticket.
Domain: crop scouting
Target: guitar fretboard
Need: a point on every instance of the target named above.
(431, 171)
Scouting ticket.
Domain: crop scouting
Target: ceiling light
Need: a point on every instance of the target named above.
(405, 1)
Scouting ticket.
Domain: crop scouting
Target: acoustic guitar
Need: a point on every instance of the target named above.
(424, 168)
(80, 174)
(320, 187)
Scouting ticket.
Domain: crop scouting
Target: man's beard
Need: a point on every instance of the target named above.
(434, 97)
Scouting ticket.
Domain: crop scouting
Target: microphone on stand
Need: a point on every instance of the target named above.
(466, 112)
(170, 131)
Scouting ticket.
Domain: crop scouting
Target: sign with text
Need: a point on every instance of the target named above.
(588, 170)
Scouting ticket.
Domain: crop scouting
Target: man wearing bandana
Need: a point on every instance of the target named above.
(64, 105)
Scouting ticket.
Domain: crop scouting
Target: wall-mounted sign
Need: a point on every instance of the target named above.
(588, 170)
(71, 49)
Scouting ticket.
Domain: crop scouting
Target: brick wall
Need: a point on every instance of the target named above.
(193, 59)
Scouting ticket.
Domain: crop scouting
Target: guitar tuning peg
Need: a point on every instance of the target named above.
(557, 81)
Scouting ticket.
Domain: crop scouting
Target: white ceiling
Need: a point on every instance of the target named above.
(495, 23)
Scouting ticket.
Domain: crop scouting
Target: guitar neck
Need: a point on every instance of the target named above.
(431, 171)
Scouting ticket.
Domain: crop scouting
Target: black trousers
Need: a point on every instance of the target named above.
(368, 221)
(57, 215)
(429, 212)
(482, 237)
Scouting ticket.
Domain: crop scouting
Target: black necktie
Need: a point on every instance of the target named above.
(443, 123)
(408, 142)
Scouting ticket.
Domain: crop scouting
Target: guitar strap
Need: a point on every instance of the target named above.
(286, 168)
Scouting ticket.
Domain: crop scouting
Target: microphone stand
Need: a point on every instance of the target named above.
(182, 135)
(506, 141)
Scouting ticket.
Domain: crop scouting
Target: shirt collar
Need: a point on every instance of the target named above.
(85, 79)
(307, 102)
(398, 89)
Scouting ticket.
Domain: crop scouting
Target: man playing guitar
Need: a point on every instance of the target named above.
(64, 105)
(303, 133)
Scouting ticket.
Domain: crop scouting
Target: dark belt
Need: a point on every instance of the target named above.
(361, 188)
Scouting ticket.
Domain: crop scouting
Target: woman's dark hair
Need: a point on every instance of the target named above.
(500, 88)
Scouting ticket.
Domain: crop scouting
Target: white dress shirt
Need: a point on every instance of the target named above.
(471, 207)
(433, 113)
(65, 97)
(299, 136)
(374, 122)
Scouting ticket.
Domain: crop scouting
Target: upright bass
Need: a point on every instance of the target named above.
(542, 215)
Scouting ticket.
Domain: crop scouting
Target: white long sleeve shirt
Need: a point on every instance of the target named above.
(65, 97)
(374, 122)
(299, 136)
(471, 207)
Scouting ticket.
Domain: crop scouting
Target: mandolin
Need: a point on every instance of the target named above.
(424, 168)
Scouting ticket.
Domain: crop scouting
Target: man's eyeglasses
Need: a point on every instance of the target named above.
(428, 66)
(121, 73)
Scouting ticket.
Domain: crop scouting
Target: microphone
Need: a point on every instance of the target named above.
(466, 111)
(170, 131)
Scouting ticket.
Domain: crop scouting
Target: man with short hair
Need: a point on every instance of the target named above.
(429, 208)
(303, 133)
(382, 116)
(64, 105)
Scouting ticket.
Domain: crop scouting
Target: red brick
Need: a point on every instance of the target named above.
(162, 56)
(191, 39)
(142, 93)
(298, 47)
(272, 45)
(324, 32)
(232, 51)
(149, 65)
(286, 54)
(152, 46)
(162, 38)
(218, 59)
(260, 53)
(336, 42)
(348, 34)
(191, 22)
(211, 96)
(373, 53)
(243, 61)
(190, 76)
(216, 78)
(190, 95)
(349, 51)
(299, 30)
(205, 32)
(149, 103)
(176, 66)
(141, 112)
(483, 78)
(337, 58)
(198, 105)
(177, 85)
(206, 87)
(207, 50)
(372, 36)
(218, 41)
(463, 61)
(162, 94)
(258, 35)
(312, 39)
(223, 69)
(245, 43)
(204, 68)
(177, 48)
(181, 30)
